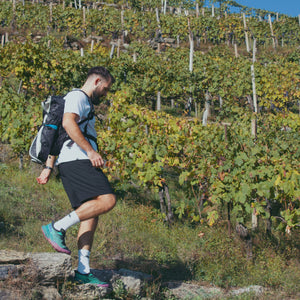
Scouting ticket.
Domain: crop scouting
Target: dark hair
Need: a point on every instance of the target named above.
(102, 72)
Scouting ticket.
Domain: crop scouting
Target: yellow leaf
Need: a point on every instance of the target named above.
(277, 181)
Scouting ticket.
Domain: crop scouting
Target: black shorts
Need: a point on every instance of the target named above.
(83, 182)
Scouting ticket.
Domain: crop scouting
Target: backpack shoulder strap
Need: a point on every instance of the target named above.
(91, 113)
(90, 116)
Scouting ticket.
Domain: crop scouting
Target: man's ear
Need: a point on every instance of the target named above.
(98, 81)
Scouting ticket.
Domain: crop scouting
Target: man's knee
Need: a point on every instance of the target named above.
(112, 201)
(108, 201)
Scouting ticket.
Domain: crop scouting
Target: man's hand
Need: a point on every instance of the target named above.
(44, 177)
(95, 158)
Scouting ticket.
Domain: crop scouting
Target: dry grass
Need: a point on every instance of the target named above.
(135, 236)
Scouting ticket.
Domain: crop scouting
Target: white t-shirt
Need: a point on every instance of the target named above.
(77, 102)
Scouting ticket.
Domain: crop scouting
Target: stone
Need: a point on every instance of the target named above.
(52, 267)
(183, 290)
(97, 38)
(49, 269)
(87, 291)
(133, 281)
(13, 257)
(7, 295)
(7, 271)
(126, 46)
(50, 293)
(87, 40)
(255, 289)
(170, 40)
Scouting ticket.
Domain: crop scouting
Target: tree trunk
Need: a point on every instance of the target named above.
(163, 209)
(166, 205)
(170, 213)
(269, 221)
(243, 233)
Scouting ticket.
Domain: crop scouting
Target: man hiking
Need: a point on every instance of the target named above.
(80, 165)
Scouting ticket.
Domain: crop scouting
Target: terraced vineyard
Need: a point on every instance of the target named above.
(205, 100)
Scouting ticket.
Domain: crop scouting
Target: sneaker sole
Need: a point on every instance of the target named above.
(103, 285)
(106, 285)
(55, 246)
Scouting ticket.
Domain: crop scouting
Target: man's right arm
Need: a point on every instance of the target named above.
(74, 132)
(45, 174)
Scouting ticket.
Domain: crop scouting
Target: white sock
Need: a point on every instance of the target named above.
(66, 222)
(83, 261)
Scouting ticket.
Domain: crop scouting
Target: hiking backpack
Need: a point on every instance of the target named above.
(51, 134)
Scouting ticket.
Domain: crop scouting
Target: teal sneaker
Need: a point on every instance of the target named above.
(89, 278)
(55, 238)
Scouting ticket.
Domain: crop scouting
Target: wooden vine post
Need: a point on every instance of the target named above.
(206, 113)
(112, 50)
(21, 161)
(92, 46)
(51, 12)
(3, 40)
(246, 33)
(272, 32)
(197, 10)
(236, 50)
(158, 102)
(178, 41)
(83, 15)
(165, 7)
(122, 24)
(253, 77)
(118, 48)
(134, 57)
(14, 13)
(158, 99)
(157, 16)
(254, 123)
(254, 219)
(191, 40)
(191, 58)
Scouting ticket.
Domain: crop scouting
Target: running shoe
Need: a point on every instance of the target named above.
(55, 238)
(89, 278)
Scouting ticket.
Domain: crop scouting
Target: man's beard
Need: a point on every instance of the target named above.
(95, 99)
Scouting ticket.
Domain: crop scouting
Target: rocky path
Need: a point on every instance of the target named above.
(49, 276)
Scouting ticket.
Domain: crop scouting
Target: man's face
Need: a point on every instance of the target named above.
(100, 91)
